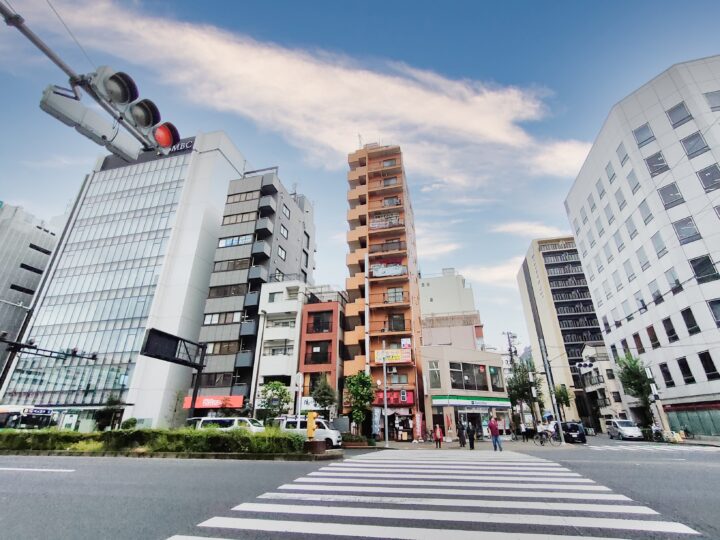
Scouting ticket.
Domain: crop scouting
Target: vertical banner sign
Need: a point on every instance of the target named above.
(418, 426)
(376, 412)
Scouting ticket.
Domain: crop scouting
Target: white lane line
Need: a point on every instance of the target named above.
(457, 468)
(468, 463)
(433, 470)
(435, 476)
(471, 517)
(19, 469)
(469, 503)
(365, 531)
(398, 482)
(462, 492)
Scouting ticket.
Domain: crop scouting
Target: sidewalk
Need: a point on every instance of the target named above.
(484, 445)
(702, 440)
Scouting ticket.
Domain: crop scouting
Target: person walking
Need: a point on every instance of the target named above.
(461, 435)
(471, 436)
(495, 433)
(438, 436)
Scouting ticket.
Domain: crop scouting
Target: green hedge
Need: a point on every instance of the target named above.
(158, 440)
(349, 437)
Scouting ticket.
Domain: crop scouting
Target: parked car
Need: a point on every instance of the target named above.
(226, 424)
(574, 432)
(324, 430)
(624, 429)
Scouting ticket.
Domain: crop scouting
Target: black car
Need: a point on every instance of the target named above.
(574, 432)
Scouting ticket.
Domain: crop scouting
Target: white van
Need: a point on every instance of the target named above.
(623, 429)
(226, 424)
(325, 430)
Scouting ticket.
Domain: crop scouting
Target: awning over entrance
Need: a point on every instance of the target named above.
(479, 401)
(215, 402)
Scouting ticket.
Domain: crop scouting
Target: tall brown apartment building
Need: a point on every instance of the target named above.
(384, 302)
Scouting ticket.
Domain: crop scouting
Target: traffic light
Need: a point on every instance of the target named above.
(120, 92)
(311, 426)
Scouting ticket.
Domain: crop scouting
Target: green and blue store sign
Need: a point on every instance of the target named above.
(471, 401)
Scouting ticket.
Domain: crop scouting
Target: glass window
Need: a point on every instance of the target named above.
(709, 366)
(496, 381)
(434, 374)
(633, 181)
(591, 202)
(658, 244)
(599, 264)
(274, 297)
(619, 243)
(576, 226)
(286, 211)
(620, 198)
(643, 135)
(713, 99)
(629, 271)
(240, 197)
(608, 214)
(710, 177)
(600, 188)
(686, 230)
(583, 215)
(667, 376)
(616, 317)
(655, 292)
(606, 288)
(656, 164)
(599, 227)
(627, 310)
(456, 376)
(591, 237)
(685, 371)
(230, 265)
(694, 145)
(638, 344)
(614, 352)
(617, 280)
(653, 337)
(282, 253)
(610, 171)
(583, 248)
(679, 114)
(624, 345)
(670, 195)
(690, 322)
(670, 330)
(673, 280)
(606, 324)
(621, 153)
(640, 301)
(645, 212)
(642, 258)
(608, 252)
(389, 163)
(233, 241)
(283, 231)
(704, 269)
(715, 310)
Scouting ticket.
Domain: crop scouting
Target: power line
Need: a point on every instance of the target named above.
(70, 33)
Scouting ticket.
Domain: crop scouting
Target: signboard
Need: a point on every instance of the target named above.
(418, 426)
(406, 343)
(393, 356)
(498, 403)
(46, 412)
(215, 402)
(395, 398)
(307, 403)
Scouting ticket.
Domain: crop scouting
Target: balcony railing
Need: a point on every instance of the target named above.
(603, 402)
(582, 323)
(386, 223)
(562, 259)
(399, 297)
(568, 283)
(594, 380)
(388, 246)
(385, 183)
(390, 202)
(571, 296)
(571, 310)
(565, 270)
(390, 325)
(557, 246)
(319, 327)
(581, 338)
(390, 270)
(317, 358)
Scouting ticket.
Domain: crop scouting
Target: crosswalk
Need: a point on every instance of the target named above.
(641, 447)
(419, 495)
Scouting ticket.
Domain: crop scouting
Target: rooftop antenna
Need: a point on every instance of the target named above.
(360, 145)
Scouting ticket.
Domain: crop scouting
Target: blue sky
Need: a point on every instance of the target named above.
(494, 104)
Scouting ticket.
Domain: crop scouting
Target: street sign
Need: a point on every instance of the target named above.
(164, 346)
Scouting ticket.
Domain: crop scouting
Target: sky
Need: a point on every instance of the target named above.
(495, 105)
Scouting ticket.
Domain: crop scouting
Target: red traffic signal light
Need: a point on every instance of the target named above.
(166, 135)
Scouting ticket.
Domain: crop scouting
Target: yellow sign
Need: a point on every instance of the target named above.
(393, 356)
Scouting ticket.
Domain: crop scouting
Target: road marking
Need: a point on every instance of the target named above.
(468, 517)
(20, 469)
(544, 478)
(457, 468)
(443, 483)
(442, 462)
(463, 492)
(367, 531)
(470, 503)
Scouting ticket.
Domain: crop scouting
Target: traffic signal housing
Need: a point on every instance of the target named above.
(311, 425)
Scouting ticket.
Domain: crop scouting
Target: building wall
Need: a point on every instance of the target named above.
(447, 293)
(656, 210)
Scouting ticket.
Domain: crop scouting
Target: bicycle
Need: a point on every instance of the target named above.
(542, 438)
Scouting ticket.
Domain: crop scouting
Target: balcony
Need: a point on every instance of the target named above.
(258, 273)
(560, 284)
(581, 323)
(357, 235)
(355, 336)
(269, 184)
(358, 193)
(386, 185)
(357, 176)
(387, 247)
(359, 214)
(354, 309)
(595, 380)
(389, 299)
(319, 327)
(314, 358)
(249, 327)
(570, 269)
(557, 246)
(381, 224)
(384, 204)
(356, 282)
(252, 299)
(566, 297)
(261, 250)
(245, 358)
(264, 227)
(267, 205)
(391, 326)
(355, 260)
(582, 338)
(574, 310)
(386, 167)
(388, 271)
(561, 259)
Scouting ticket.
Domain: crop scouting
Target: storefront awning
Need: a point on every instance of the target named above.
(215, 402)
(471, 401)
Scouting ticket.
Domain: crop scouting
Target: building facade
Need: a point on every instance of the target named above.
(384, 305)
(267, 238)
(645, 209)
(559, 314)
(138, 254)
(27, 244)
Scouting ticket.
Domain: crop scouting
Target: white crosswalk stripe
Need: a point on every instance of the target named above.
(640, 447)
(418, 495)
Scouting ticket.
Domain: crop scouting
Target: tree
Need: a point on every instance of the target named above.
(104, 417)
(562, 397)
(361, 394)
(276, 398)
(635, 381)
(520, 387)
(324, 394)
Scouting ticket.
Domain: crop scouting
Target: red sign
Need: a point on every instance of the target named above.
(215, 402)
(395, 398)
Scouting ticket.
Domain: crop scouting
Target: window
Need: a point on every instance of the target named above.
(710, 177)
(633, 181)
(606, 288)
(645, 212)
(591, 202)
(642, 258)
(686, 230)
(670, 330)
(614, 352)
(654, 342)
(306, 245)
(591, 238)
(643, 135)
(389, 163)
(673, 280)
(609, 374)
(638, 343)
(610, 172)
(671, 195)
(274, 297)
(232, 264)
(685, 371)
(625, 348)
(655, 292)
(620, 198)
(694, 145)
(608, 253)
(616, 397)
(283, 231)
(714, 306)
(229, 317)
(616, 317)
(679, 114)
(608, 214)
(709, 366)
(599, 227)
(658, 244)
(576, 226)
(690, 323)
(600, 188)
(627, 310)
(667, 376)
(239, 218)
(278, 276)
(465, 376)
(656, 164)
(631, 228)
(622, 154)
(619, 244)
(583, 248)
(606, 324)
(704, 269)
(392, 181)
(282, 253)
(629, 271)
(496, 381)
(599, 264)
(233, 241)
(240, 197)
(223, 347)
(583, 215)
(228, 290)
(713, 99)
(640, 302)
(617, 280)
(286, 211)
(596, 295)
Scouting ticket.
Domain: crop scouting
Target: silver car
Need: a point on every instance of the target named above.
(624, 429)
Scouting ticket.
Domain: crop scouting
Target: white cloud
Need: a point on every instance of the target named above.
(529, 229)
(453, 132)
(502, 274)
(434, 242)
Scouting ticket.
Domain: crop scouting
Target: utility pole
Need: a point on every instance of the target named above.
(385, 410)
(551, 389)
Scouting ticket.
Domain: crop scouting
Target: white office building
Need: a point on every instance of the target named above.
(645, 210)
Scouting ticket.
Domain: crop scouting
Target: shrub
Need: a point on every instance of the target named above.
(349, 437)
(130, 423)
(87, 446)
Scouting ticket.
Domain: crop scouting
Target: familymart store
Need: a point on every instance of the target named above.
(451, 411)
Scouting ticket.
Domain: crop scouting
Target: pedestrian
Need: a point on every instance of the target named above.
(461, 435)
(471, 436)
(495, 434)
(438, 436)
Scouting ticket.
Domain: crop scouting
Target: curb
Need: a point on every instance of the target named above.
(330, 455)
